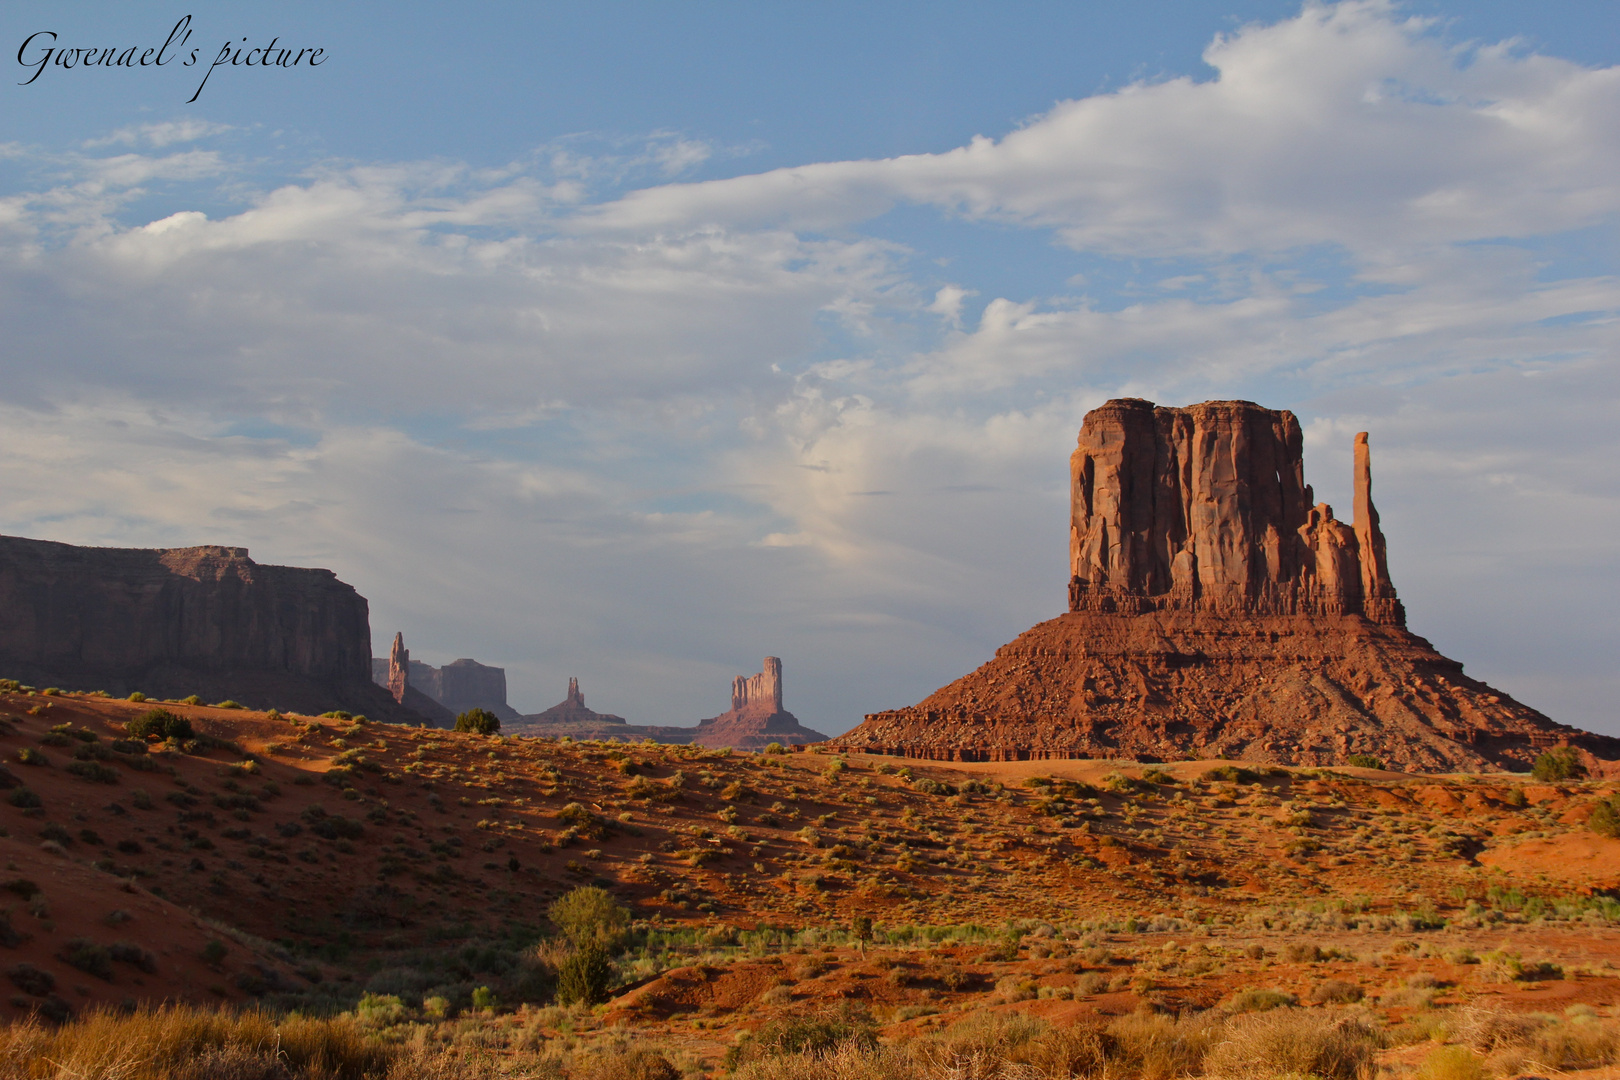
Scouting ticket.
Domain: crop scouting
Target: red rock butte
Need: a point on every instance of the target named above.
(1217, 610)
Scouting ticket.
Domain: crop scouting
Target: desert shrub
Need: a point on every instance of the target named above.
(188, 1043)
(161, 724)
(23, 798)
(589, 915)
(1231, 774)
(1451, 1063)
(479, 722)
(213, 951)
(1364, 761)
(1255, 999)
(1605, 819)
(1152, 1044)
(137, 697)
(1559, 763)
(1302, 952)
(29, 756)
(1015, 988)
(1293, 1042)
(127, 952)
(229, 704)
(584, 976)
(1336, 992)
(22, 887)
(1569, 1046)
(88, 957)
(31, 980)
(1092, 982)
(774, 748)
(621, 1062)
(93, 771)
(815, 1036)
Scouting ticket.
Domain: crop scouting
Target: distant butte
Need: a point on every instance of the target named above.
(571, 717)
(756, 717)
(1217, 610)
(755, 720)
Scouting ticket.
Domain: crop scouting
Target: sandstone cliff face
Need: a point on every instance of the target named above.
(1206, 509)
(441, 693)
(170, 622)
(1216, 612)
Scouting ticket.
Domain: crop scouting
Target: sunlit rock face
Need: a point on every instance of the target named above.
(1217, 610)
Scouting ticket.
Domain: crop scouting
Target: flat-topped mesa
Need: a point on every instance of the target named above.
(1206, 508)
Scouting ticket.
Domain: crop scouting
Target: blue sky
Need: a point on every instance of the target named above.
(635, 342)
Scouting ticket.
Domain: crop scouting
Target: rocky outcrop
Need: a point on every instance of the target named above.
(396, 676)
(756, 717)
(1206, 509)
(1217, 610)
(177, 621)
(440, 693)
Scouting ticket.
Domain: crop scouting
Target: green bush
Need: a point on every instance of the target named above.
(93, 771)
(1605, 819)
(161, 724)
(88, 957)
(229, 704)
(1364, 761)
(1559, 763)
(585, 976)
(29, 756)
(588, 916)
(813, 1036)
(479, 722)
(1232, 774)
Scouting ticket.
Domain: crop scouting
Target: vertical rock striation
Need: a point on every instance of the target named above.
(1206, 509)
(1217, 610)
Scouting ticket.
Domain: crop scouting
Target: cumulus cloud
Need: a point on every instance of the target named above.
(549, 417)
(1347, 125)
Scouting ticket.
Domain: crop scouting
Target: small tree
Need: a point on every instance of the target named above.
(1364, 761)
(1605, 819)
(590, 916)
(162, 724)
(479, 721)
(1559, 763)
(585, 976)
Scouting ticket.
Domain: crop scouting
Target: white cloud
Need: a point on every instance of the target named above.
(1346, 125)
(167, 133)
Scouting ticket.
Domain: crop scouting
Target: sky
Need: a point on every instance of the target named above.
(637, 342)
